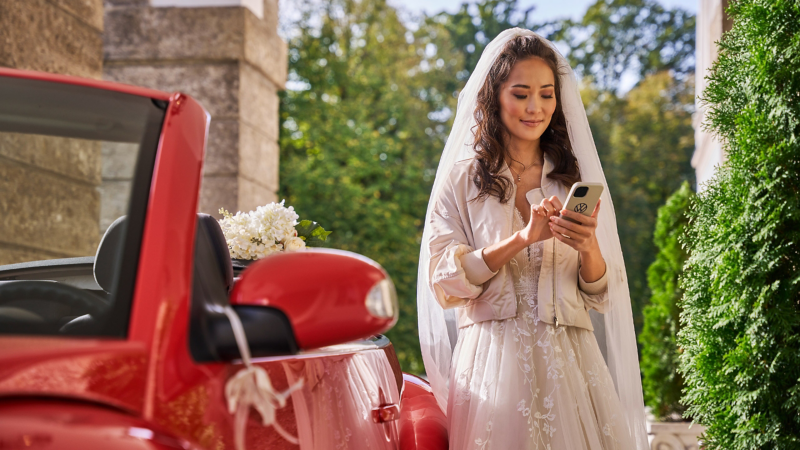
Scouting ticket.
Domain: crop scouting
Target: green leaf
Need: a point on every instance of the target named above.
(311, 232)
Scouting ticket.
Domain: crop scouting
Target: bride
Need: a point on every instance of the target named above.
(506, 283)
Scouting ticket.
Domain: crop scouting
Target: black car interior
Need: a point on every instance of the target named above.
(44, 307)
(268, 330)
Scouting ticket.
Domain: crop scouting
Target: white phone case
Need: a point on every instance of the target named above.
(585, 204)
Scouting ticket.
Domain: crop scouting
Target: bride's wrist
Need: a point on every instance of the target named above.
(593, 252)
(519, 240)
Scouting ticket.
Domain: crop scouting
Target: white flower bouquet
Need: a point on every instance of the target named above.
(269, 229)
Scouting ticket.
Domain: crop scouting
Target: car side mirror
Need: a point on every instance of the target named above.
(329, 296)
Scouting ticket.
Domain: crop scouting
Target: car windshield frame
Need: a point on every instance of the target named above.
(100, 125)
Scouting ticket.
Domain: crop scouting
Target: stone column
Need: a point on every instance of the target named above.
(50, 186)
(232, 62)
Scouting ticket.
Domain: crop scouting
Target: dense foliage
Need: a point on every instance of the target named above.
(370, 104)
(661, 382)
(358, 150)
(741, 308)
(646, 147)
(619, 36)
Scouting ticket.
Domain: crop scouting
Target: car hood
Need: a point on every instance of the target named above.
(58, 424)
(112, 372)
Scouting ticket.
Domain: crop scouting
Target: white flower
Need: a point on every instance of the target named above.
(293, 243)
(259, 233)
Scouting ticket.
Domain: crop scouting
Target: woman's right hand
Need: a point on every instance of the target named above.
(538, 228)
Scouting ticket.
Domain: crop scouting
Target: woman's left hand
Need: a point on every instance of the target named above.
(581, 235)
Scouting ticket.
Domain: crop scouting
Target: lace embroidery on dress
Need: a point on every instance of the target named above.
(540, 416)
(558, 374)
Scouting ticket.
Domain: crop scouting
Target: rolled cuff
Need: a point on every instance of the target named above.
(449, 280)
(595, 287)
(475, 267)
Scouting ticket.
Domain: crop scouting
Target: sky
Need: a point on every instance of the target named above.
(545, 9)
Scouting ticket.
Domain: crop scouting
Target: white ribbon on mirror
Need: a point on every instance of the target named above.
(251, 386)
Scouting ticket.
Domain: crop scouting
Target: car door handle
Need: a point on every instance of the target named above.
(386, 413)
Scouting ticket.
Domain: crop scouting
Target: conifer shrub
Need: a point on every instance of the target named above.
(740, 325)
(662, 383)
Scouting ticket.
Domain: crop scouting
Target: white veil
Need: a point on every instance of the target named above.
(438, 332)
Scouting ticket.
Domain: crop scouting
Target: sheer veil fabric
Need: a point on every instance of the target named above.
(438, 332)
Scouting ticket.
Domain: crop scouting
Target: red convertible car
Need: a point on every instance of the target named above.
(115, 295)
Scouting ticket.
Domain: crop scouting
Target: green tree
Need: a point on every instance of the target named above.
(371, 106)
(645, 141)
(648, 158)
(474, 25)
(741, 321)
(641, 36)
(661, 382)
(358, 149)
(644, 137)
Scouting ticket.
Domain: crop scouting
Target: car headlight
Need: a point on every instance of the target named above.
(382, 299)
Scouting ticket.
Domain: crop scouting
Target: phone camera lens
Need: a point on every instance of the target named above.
(581, 191)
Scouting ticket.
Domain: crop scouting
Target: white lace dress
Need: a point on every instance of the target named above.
(520, 383)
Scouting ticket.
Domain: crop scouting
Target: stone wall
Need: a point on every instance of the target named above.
(675, 436)
(57, 36)
(228, 58)
(49, 186)
(50, 201)
(233, 63)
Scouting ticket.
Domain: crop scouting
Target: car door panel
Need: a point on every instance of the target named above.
(334, 408)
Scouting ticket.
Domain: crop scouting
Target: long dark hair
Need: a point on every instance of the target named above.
(490, 133)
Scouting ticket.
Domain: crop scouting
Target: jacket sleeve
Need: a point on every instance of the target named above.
(456, 271)
(595, 294)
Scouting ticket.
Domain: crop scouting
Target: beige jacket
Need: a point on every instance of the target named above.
(460, 278)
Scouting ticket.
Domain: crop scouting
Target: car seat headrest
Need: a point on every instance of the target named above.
(106, 261)
(209, 225)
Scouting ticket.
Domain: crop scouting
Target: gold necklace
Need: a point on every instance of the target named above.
(524, 168)
(518, 175)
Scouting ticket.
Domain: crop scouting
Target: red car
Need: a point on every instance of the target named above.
(131, 348)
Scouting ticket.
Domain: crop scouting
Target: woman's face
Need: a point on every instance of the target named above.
(528, 99)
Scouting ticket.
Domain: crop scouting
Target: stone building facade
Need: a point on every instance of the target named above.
(711, 23)
(49, 186)
(232, 61)
(228, 56)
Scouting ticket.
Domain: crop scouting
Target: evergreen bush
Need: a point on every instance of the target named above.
(740, 326)
(662, 383)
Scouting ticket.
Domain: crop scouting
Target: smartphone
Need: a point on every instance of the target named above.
(583, 197)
